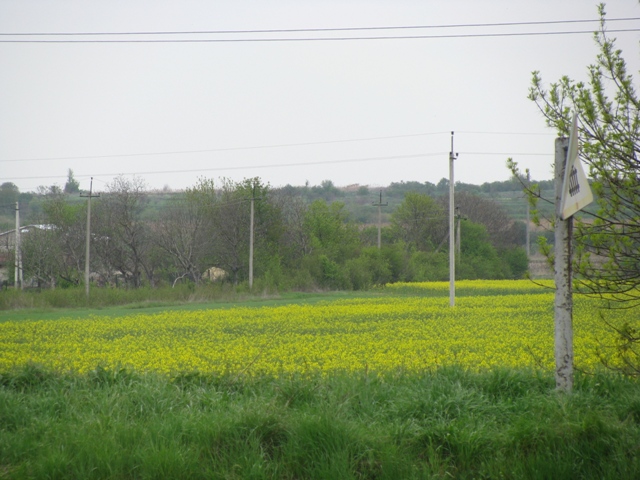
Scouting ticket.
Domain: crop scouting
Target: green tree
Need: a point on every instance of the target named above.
(72, 185)
(420, 222)
(332, 241)
(607, 105)
(9, 193)
(330, 231)
(231, 222)
(503, 231)
(478, 257)
(54, 253)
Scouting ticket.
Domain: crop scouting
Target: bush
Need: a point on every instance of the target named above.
(517, 261)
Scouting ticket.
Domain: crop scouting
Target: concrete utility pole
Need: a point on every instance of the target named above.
(563, 305)
(253, 197)
(379, 205)
(573, 193)
(452, 239)
(87, 263)
(18, 260)
(528, 219)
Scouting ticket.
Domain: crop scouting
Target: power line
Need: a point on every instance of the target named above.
(506, 133)
(229, 149)
(508, 153)
(275, 165)
(329, 39)
(257, 147)
(306, 30)
(280, 165)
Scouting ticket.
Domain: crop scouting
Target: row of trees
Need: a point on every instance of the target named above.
(297, 244)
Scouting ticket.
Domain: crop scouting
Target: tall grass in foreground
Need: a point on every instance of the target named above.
(449, 423)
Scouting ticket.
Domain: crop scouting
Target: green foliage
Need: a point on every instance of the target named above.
(140, 240)
(608, 108)
(9, 193)
(606, 250)
(72, 185)
(329, 231)
(53, 253)
(427, 267)
(517, 261)
(448, 423)
(626, 351)
(419, 222)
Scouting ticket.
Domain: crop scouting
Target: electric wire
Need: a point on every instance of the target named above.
(330, 29)
(247, 167)
(213, 150)
(282, 145)
(325, 39)
(275, 165)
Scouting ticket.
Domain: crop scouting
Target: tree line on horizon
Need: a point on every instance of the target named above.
(300, 242)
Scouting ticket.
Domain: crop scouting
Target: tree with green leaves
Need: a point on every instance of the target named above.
(72, 185)
(53, 252)
(607, 237)
(607, 240)
(9, 193)
(332, 241)
(420, 222)
(231, 223)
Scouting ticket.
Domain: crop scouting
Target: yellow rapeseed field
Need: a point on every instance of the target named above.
(398, 332)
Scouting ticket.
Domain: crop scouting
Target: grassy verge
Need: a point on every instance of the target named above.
(36, 305)
(73, 303)
(446, 424)
(75, 297)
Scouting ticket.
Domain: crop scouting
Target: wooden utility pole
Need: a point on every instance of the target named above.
(380, 205)
(563, 305)
(87, 262)
(452, 239)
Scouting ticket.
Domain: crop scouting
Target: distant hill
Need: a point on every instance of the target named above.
(359, 199)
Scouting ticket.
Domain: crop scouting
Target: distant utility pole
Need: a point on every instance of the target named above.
(87, 268)
(528, 219)
(452, 246)
(253, 198)
(380, 205)
(18, 260)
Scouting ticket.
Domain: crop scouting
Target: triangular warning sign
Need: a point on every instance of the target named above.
(576, 192)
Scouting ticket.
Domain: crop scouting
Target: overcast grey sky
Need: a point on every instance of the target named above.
(366, 111)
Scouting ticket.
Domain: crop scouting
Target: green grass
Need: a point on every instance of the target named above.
(72, 303)
(445, 424)
(448, 423)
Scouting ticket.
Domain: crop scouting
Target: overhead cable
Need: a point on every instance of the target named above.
(327, 39)
(331, 29)
(258, 147)
(227, 149)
